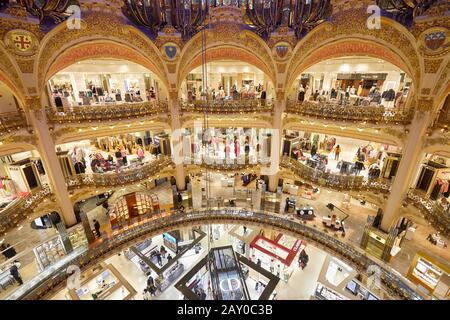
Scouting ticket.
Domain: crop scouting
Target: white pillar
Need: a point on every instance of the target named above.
(406, 171)
(177, 143)
(46, 148)
(275, 148)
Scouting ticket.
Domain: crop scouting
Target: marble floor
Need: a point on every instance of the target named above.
(300, 286)
(25, 239)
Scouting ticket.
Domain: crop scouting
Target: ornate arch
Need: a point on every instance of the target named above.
(227, 42)
(98, 28)
(393, 41)
(10, 77)
(98, 49)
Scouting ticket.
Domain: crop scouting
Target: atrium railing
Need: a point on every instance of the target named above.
(12, 121)
(107, 112)
(334, 111)
(126, 176)
(333, 180)
(395, 284)
(434, 212)
(244, 162)
(11, 216)
(240, 106)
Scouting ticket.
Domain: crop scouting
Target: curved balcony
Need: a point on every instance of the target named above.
(241, 106)
(12, 121)
(127, 176)
(336, 112)
(219, 164)
(333, 180)
(434, 213)
(396, 285)
(107, 112)
(11, 216)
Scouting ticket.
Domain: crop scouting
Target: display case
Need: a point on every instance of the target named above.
(25, 175)
(325, 293)
(49, 252)
(104, 284)
(77, 237)
(169, 276)
(133, 205)
(427, 272)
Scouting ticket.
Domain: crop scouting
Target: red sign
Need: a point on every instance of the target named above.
(291, 252)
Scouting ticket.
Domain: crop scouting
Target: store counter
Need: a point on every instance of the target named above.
(105, 284)
(290, 188)
(169, 277)
(227, 182)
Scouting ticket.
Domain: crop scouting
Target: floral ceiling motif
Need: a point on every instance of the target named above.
(99, 50)
(341, 26)
(227, 53)
(349, 48)
(100, 26)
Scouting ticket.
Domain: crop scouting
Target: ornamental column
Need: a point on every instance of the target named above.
(408, 164)
(176, 140)
(47, 151)
(275, 146)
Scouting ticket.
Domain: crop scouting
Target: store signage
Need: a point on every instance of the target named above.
(230, 284)
(361, 76)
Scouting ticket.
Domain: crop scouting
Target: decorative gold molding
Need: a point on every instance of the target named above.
(432, 66)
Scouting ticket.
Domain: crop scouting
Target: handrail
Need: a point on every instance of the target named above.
(11, 121)
(329, 110)
(109, 111)
(18, 211)
(242, 163)
(333, 180)
(435, 213)
(396, 284)
(227, 106)
(126, 176)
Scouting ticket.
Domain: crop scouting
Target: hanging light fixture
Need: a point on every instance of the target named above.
(186, 16)
(54, 9)
(298, 15)
(404, 11)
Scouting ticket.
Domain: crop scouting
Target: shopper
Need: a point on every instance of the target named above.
(150, 281)
(97, 228)
(245, 229)
(313, 150)
(119, 159)
(337, 151)
(8, 251)
(140, 153)
(146, 294)
(14, 271)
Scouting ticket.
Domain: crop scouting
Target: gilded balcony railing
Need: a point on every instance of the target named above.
(243, 162)
(240, 106)
(396, 285)
(333, 180)
(107, 112)
(11, 216)
(334, 111)
(123, 177)
(12, 121)
(435, 213)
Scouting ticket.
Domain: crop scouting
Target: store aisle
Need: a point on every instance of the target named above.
(302, 284)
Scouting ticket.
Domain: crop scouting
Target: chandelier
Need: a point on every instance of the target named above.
(186, 16)
(404, 11)
(53, 9)
(298, 15)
